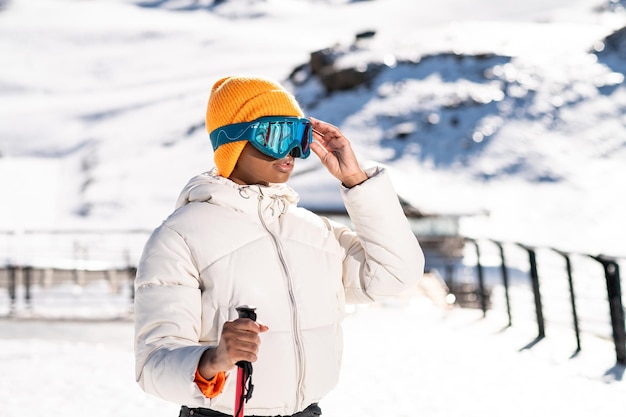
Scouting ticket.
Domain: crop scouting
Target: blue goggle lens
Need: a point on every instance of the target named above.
(274, 136)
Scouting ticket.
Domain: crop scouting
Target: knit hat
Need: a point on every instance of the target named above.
(238, 99)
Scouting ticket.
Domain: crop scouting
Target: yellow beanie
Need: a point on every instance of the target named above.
(239, 99)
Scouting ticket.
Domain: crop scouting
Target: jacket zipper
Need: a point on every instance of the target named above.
(294, 309)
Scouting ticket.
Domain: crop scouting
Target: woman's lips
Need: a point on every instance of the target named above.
(285, 164)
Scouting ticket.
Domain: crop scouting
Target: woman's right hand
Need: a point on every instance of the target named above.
(240, 341)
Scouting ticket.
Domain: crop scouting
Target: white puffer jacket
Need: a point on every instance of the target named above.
(227, 245)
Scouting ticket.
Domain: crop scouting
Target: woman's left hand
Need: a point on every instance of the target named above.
(336, 154)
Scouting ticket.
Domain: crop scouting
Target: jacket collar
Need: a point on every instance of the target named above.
(272, 200)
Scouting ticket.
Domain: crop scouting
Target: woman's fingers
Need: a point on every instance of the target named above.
(241, 339)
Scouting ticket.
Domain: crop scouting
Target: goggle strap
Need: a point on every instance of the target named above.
(220, 132)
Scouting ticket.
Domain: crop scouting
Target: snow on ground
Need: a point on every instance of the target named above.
(404, 359)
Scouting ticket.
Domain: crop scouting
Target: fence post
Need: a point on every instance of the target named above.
(505, 281)
(572, 296)
(12, 272)
(614, 292)
(534, 278)
(482, 293)
(27, 284)
(132, 272)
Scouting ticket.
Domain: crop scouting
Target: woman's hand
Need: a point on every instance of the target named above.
(240, 341)
(336, 154)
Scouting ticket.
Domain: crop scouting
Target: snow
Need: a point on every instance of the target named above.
(512, 114)
(112, 112)
(403, 359)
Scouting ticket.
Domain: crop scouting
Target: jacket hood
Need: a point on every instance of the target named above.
(222, 191)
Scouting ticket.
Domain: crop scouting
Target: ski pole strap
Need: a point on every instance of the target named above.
(246, 381)
(243, 391)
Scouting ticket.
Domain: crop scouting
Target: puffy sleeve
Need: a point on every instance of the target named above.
(383, 257)
(167, 319)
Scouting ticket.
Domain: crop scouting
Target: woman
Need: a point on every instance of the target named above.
(238, 237)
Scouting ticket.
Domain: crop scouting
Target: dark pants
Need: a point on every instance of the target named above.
(311, 411)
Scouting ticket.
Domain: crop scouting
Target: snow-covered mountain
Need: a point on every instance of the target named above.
(513, 109)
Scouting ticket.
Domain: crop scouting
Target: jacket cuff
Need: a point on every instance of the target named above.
(213, 387)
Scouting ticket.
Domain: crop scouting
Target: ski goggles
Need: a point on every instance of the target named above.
(274, 136)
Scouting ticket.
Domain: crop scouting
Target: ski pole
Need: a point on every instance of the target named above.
(244, 368)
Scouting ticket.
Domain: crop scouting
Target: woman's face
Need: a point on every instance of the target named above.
(254, 167)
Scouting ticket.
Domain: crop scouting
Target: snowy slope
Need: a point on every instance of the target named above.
(508, 108)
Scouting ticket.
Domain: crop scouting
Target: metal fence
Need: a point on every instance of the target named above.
(69, 274)
(579, 291)
(82, 292)
(593, 296)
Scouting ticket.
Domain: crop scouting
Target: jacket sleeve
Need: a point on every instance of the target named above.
(382, 255)
(167, 319)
